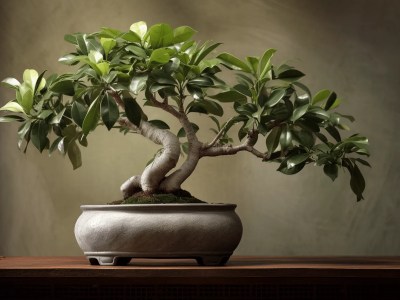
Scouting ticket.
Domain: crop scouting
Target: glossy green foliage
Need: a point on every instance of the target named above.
(116, 70)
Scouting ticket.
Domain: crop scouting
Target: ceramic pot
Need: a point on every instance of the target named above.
(114, 234)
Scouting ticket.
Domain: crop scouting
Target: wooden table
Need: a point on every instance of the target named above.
(242, 278)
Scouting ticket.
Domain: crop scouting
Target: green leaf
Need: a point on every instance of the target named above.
(183, 33)
(133, 110)
(299, 112)
(161, 35)
(265, 63)
(320, 96)
(57, 118)
(273, 138)
(296, 160)
(30, 77)
(206, 106)
(82, 43)
(104, 67)
(74, 155)
(304, 138)
(11, 82)
(230, 96)
(54, 145)
(38, 135)
(92, 117)
(13, 106)
(334, 133)
(290, 171)
(109, 111)
(130, 37)
(78, 113)
(364, 162)
(331, 170)
(276, 96)
(139, 28)
(159, 56)
(253, 62)
(40, 83)
(138, 51)
(65, 87)
(233, 62)
(159, 124)
(203, 52)
(138, 83)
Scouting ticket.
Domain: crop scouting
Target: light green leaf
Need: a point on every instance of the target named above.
(299, 112)
(233, 62)
(138, 83)
(95, 56)
(140, 28)
(320, 96)
(108, 44)
(13, 106)
(11, 118)
(104, 67)
(11, 82)
(183, 33)
(30, 77)
(25, 97)
(161, 35)
(160, 56)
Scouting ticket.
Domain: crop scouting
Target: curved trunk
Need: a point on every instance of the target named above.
(154, 173)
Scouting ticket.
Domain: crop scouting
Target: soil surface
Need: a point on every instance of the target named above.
(180, 196)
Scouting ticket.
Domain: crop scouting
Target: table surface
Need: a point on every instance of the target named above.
(238, 266)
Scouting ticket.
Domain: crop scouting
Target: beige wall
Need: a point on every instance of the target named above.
(349, 46)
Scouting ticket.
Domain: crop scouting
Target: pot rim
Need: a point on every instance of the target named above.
(160, 207)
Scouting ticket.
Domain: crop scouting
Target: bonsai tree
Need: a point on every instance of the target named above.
(117, 74)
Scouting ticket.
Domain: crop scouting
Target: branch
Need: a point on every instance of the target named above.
(117, 97)
(218, 136)
(165, 106)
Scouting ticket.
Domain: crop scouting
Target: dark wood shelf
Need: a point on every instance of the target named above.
(241, 278)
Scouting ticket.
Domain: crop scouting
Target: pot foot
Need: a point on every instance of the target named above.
(212, 260)
(109, 260)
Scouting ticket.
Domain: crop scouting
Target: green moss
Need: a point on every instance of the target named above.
(143, 198)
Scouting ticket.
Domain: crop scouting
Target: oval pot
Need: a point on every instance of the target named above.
(114, 234)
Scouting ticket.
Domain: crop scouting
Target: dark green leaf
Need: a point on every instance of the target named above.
(92, 117)
(78, 113)
(331, 170)
(290, 74)
(38, 135)
(304, 138)
(283, 168)
(334, 133)
(159, 124)
(331, 100)
(133, 110)
(82, 43)
(273, 138)
(109, 111)
(65, 87)
(203, 52)
(297, 159)
(357, 182)
(57, 118)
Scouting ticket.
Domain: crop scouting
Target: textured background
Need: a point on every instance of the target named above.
(351, 47)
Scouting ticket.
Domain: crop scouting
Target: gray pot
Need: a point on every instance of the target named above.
(114, 234)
